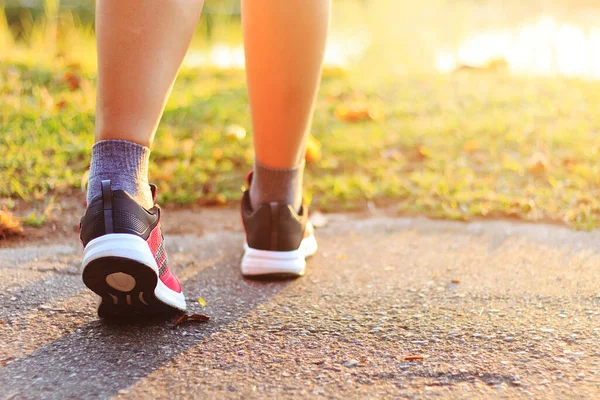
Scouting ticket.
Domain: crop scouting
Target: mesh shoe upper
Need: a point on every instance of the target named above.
(157, 246)
(273, 226)
(127, 217)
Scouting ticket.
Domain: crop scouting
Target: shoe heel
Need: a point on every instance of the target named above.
(288, 263)
(120, 245)
(263, 262)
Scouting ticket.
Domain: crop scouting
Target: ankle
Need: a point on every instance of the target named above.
(280, 185)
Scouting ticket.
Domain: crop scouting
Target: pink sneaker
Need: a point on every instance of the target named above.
(124, 257)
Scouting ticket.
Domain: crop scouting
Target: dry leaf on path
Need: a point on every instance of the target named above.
(9, 224)
(191, 318)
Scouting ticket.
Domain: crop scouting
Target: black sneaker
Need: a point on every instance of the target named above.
(124, 257)
(278, 240)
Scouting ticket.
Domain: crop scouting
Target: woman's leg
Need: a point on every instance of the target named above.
(285, 45)
(141, 45)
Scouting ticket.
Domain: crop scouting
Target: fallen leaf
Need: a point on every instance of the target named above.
(418, 153)
(494, 65)
(537, 164)
(313, 150)
(470, 146)
(358, 112)
(424, 151)
(413, 358)
(201, 301)
(72, 79)
(191, 318)
(61, 105)
(181, 319)
(217, 154)
(567, 162)
(74, 66)
(199, 317)
(9, 224)
(220, 199)
(348, 114)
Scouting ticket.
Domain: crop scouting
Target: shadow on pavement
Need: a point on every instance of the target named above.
(100, 358)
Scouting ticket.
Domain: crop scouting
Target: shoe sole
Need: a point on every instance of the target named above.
(278, 263)
(121, 270)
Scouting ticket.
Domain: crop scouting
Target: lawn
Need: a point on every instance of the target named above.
(466, 145)
(470, 144)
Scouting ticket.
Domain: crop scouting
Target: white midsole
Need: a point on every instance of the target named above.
(264, 262)
(135, 248)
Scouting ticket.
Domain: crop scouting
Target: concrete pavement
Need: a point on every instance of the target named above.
(496, 310)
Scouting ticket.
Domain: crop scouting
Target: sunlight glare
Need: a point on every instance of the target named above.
(542, 47)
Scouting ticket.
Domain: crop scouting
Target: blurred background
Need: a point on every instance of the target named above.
(533, 37)
(454, 109)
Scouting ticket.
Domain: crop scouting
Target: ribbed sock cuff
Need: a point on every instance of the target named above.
(282, 185)
(125, 164)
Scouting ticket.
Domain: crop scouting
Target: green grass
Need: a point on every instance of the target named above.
(458, 147)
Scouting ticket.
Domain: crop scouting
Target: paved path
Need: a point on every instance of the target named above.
(496, 310)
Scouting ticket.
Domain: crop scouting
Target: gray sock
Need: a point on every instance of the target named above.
(276, 185)
(126, 165)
